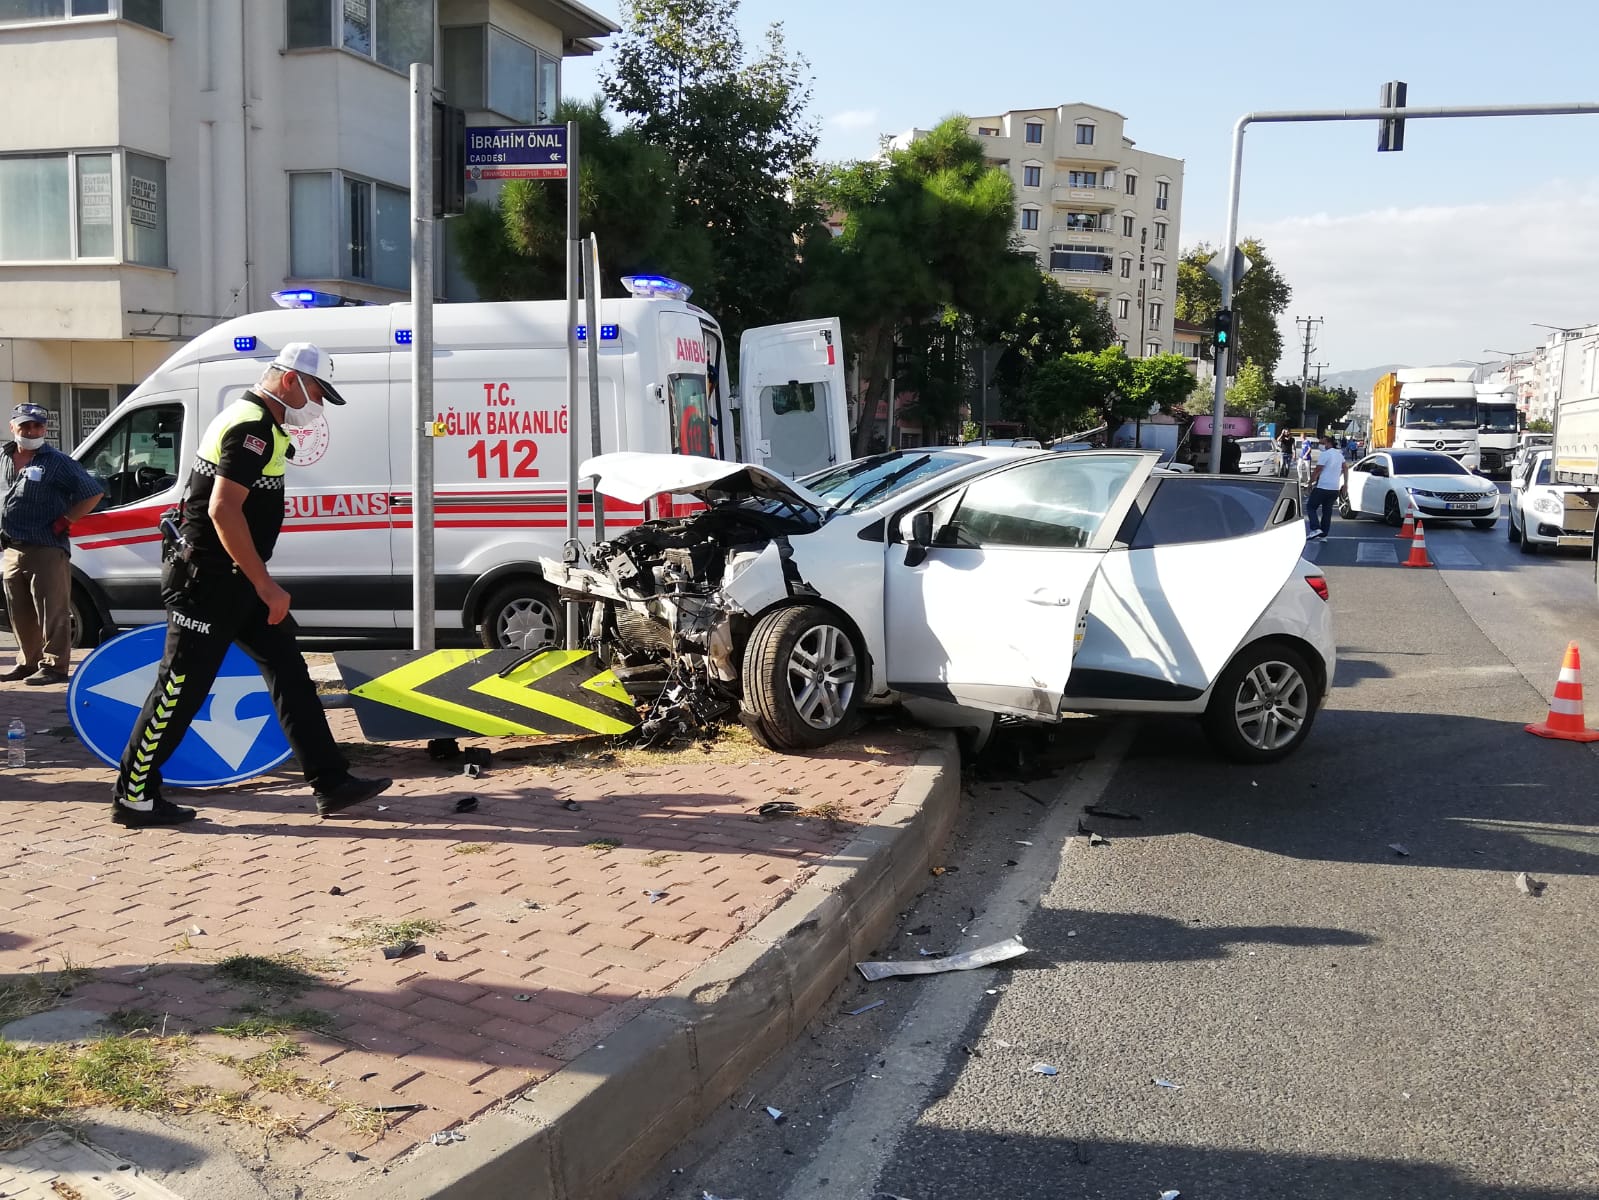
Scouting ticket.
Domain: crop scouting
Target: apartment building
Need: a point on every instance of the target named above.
(167, 164)
(1099, 214)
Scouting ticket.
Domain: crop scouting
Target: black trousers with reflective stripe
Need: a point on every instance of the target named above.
(209, 609)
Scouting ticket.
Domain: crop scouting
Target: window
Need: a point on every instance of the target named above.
(143, 12)
(1127, 268)
(1064, 258)
(1029, 218)
(1162, 195)
(1131, 183)
(1160, 235)
(691, 423)
(987, 131)
(1032, 176)
(1127, 227)
(1082, 179)
(486, 68)
(367, 239)
(1035, 133)
(60, 207)
(1157, 273)
(1082, 222)
(395, 33)
(89, 407)
(48, 397)
(1183, 511)
(1085, 134)
(138, 456)
(1057, 503)
(1151, 349)
(1124, 308)
(1154, 312)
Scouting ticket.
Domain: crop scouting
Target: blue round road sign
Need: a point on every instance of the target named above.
(234, 736)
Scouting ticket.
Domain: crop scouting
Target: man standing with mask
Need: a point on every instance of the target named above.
(217, 591)
(45, 492)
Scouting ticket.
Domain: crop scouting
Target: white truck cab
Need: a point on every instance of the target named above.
(499, 440)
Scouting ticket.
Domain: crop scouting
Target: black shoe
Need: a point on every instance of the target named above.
(45, 676)
(162, 812)
(15, 673)
(348, 791)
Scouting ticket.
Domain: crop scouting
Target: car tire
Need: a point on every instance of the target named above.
(87, 631)
(1345, 509)
(1528, 546)
(1390, 511)
(1266, 675)
(803, 678)
(1511, 531)
(522, 615)
(1484, 522)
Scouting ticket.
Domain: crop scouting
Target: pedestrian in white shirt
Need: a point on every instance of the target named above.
(1328, 471)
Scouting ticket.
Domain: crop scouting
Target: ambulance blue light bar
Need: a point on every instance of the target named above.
(402, 337)
(311, 298)
(244, 345)
(656, 285)
(608, 333)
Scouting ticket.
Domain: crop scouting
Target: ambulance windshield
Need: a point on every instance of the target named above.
(691, 418)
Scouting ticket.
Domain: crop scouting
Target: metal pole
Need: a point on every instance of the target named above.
(591, 306)
(1584, 108)
(1304, 379)
(982, 430)
(423, 608)
(574, 251)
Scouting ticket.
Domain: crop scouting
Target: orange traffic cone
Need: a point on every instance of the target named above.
(1565, 714)
(1408, 529)
(1418, 549)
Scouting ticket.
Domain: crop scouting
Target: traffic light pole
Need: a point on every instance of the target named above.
(1219, 407)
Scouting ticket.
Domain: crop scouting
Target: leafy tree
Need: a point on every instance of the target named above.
(1259, 298)
(926, 242)
(1063, 396)
(1161, 381)
(1322, 406)
(1055, 321)
(735, 134)
(516, 249)
(1541, 425)
(1251, 393)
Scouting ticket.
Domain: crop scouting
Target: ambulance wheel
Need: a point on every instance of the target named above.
(86, 629)
(524, 615)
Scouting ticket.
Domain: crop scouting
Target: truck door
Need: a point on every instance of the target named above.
(792, 404)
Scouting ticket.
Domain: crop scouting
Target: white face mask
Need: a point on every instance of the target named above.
(30, 443)
(306, 414)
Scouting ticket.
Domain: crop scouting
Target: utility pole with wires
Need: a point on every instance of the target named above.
(1319, 367)
(1310, 324)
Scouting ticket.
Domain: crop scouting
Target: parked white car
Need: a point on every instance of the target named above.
(1537, 508)
(967, 583)
(1259, 456)
(1381, 484)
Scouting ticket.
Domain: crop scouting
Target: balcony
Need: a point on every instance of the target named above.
(1101, 199)
(1083, 229)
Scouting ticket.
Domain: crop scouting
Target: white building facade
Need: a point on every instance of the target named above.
(167, 164)
(1100, 215)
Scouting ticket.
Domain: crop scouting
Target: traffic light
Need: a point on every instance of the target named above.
(449, 160)
(1391, 134)
(1222, 337)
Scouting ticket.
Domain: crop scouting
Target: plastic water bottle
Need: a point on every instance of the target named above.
(17, 744)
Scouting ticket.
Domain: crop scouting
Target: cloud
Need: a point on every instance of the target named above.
(853, 118)
(1438, 283)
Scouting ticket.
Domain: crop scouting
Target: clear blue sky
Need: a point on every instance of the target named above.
(1477, 229)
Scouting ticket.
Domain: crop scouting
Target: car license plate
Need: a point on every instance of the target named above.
(1456, 506)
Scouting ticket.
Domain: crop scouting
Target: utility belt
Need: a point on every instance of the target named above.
(177, 549)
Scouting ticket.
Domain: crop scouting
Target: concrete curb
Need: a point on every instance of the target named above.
(594, 1128)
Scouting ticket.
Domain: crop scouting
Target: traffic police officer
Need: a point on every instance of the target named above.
(217, 591)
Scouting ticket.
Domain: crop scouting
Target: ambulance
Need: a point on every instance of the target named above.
(499, 441)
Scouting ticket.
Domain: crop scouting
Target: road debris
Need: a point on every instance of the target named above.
(466, 804)
(445, 1136)
(775, 1113)
(983, 956)
(335, 891)
(1173, 1194)
(368, 1075)
(571, 806)
(1166, 1083)
(773, 809)
(1019, 842)
(472, 771)
(865, 1008)
(838, 1083)
(478, 756)
(196, 931)
(708, 1196)
(921, 931)
(443, 749)
(1528, 886)
(441, 956)
(654, 895)
(1399, 849)
(393, 1108)
(1095, 839)
(925, 953)
(402, 949)
(522, 998)
(1115, 814)
(1045, 1069)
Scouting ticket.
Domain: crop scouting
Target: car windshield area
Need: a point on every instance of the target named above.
(1256, 445)
(866, 481)
(1442, 414)
(1422, 462)
(1501, 419)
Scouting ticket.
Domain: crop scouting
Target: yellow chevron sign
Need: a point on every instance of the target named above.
(507, 693)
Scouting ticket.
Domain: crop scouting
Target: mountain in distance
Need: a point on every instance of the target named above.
(1364, 379)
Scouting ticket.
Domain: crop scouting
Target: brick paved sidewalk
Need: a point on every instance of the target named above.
(545, 939)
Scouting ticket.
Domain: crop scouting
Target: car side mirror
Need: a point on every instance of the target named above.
(916, 531)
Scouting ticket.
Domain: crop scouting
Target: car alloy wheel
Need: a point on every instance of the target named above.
(804, 678)
(1271, 705)
(821, 676)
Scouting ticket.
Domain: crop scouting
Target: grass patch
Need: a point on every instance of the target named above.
(38, 1084)
(602, 845)
(25, 995)
(470, 848)
(385, 933)
(658, 860)
(277, 975)
(832, 813)
(256, 1022)
(127, 1020)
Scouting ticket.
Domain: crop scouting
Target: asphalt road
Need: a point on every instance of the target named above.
(1343, 1020)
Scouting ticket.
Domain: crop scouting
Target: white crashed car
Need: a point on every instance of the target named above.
(1537, 508)
(966, 583)
(1381, 485)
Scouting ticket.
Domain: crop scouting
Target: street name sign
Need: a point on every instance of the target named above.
(517, 152)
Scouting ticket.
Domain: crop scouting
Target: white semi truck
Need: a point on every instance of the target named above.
(1499, 427)
(1427, 408)
(1576, 441)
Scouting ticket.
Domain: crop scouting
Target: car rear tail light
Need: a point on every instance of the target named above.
(1318, 584)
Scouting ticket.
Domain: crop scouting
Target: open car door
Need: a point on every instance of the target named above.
(793, 410)
(987, 587)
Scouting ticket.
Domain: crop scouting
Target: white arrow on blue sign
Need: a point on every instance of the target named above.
(234, 736)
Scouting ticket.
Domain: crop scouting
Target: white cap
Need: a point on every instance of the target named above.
(306, 359)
